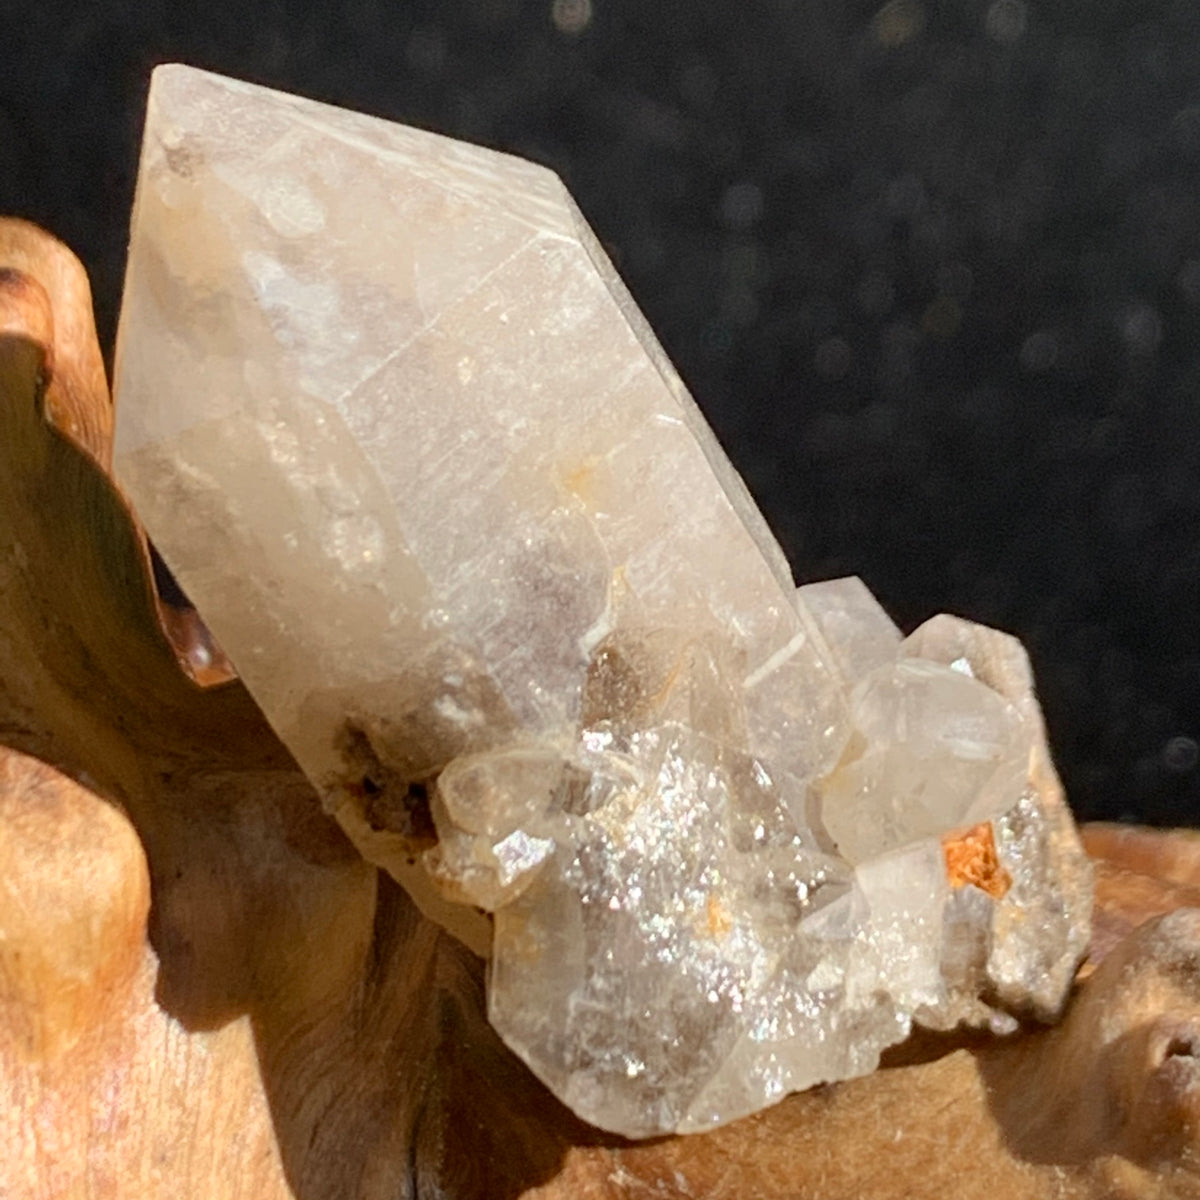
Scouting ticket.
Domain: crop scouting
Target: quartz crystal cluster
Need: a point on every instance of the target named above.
(395, 423)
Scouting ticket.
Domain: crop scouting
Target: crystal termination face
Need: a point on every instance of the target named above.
(400, 431)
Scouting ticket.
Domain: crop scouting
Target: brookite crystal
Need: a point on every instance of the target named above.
(394, 422)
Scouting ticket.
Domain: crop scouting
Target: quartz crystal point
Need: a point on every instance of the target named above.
(398, 428)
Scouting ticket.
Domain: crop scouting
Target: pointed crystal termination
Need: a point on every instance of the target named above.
(400, 431)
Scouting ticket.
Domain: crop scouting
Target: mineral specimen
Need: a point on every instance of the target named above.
(402, 434)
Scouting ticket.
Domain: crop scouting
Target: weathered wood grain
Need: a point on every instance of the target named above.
(204, 991)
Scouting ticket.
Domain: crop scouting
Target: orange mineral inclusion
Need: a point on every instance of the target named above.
(971, 858)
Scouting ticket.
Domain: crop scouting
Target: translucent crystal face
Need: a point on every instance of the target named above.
(404, 437)
(904, 716)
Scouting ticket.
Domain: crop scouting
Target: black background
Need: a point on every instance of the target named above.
(932, 270)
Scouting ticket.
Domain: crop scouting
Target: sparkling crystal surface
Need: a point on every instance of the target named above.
(398, 428)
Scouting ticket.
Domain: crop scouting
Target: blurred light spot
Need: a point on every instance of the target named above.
(1181, 754)
(741, 205)
(956, 280)
(571, 16)
(1039, 351)
(833, 358)
(876, 295)
(1188, 280)
(426, 51)
(1006, 20)
(1141, 328)
(942, 317)
(897, 22)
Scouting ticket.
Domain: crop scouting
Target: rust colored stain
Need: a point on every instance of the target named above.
(971, 858)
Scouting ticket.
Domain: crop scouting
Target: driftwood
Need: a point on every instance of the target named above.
(205, 992)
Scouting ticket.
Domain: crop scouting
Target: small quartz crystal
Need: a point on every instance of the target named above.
(397, 427)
